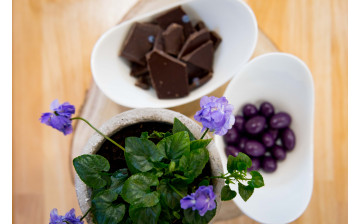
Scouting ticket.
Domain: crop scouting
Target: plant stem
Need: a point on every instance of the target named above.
(204, 133)
(99, 132)
(176, 191)
(87, 212)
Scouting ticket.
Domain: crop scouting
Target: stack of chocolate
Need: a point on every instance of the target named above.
(170, 54)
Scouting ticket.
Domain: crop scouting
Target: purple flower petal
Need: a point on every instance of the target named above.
(188, 202)
(202, 200)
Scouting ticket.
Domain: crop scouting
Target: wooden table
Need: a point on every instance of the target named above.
(52, 43)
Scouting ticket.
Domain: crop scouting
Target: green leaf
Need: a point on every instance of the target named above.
(140, 153)
(136, 190)
(89, 168)
(175, 145)
(204, 182)
(168, 197)
(149, 215)
(240, 162)
(179, 127)
(194, 162)
(118, 179)
(191, 217)
(106, 212)
(245, 191)
(201, 143)
(144, 135)
(227, 194)
(257, 180)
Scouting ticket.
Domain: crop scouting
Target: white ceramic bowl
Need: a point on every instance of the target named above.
(286, 82)
(233, 20)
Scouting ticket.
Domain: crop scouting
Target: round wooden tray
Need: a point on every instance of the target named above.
(97, 108)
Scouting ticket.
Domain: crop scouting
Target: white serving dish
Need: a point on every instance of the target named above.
(286, 82)
(233, 20)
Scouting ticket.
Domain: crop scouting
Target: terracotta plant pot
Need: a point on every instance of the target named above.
(135, 116)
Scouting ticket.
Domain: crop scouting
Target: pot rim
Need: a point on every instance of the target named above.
(134, 116)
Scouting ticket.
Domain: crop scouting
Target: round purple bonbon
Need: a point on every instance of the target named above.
(232, 136)
(274, 133)
(269, 164)
(249, 110)
(288, 139)
(254, 148)
(280, 120)
(268, 140)
(256, 164)
(231, 150)
(242, 144)
(267, 109)
(278, 152)
(239, 123)
(255, 124)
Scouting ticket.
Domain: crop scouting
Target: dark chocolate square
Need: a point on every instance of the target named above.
(168, 75)
(173, 38)
(194, 41)
(202, 56)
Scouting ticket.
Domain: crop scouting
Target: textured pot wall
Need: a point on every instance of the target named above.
(137, 116)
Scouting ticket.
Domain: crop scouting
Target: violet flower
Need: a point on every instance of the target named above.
(202, 200)
(215, 114)
(60, 118)
(69, 218)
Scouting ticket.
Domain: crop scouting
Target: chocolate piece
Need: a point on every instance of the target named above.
(197, 82)
(173, 38)
(138, 70)
(200, 25)
(194, 41)
(176, 15)
(202, 56)
(215, 38)
(143, 82)
(159, 42)
(194, 71)
(168, 75)
(139, 41)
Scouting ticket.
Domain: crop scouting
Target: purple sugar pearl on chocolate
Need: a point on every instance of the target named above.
(231, 150)
(249, 110)
(267, 109)
(232, 136)
(280, 120)
(256, 163)
(278, 152)
(239, 123)
(268, 140)
(269, 164)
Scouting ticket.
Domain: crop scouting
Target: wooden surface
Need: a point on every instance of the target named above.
(52, 42)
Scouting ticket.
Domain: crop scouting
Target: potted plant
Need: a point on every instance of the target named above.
(166, 171)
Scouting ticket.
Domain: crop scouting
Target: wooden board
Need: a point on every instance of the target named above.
(97, 108)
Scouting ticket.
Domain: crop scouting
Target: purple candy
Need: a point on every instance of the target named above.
(268, 140)
(278, 152)
(274, 133)
(231, 150)
(269, 164)
(239, 123)
(254, 148)
(267, 109)
(256, 163)
(288, 139)
(280, 120)
(232, 136)
(255, 124)
(242, 144)
(249, 110)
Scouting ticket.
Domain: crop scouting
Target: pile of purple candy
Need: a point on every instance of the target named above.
(262, 134)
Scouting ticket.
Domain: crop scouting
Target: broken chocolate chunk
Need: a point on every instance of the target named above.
(202, 56)
(194, 41)
(159, 42)
(194, 71)
(143, 82)
(139, 41)
(199, 81)
(215, 38)
(168, 75)
(176, 15)
(200, 25)
(138, 70)
(173, 38)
